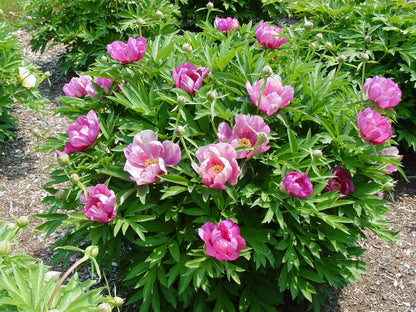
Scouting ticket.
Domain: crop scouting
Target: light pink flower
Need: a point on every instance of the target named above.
(218, 165)
(245, 133)
(274, 96)
(99, 204)
(104, 83)
(297, 184)
(129, 52)
(268, 36)
(77, 86)
(341, 183)
(189, 78)
(394, 152)
(374, 128)
(383, 91)
(146, 157)
(226, 24)
(84, 134)
(222, 241)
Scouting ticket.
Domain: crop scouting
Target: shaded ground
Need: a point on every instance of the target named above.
(389, 286)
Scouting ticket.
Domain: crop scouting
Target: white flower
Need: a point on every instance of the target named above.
(27, 79)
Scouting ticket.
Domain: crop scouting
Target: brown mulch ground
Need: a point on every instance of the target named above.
(390, 284)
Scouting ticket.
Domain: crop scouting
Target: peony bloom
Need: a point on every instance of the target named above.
(226, 24)
(341, 183)
(27, 79)
(268, 36)
(104, 83)
(146, 157)
(383, 91)
(374, 128)
(246, 133)
(297, 184)
(99, 204)
(218, 165)
(77, 86)
(222, 241)
(129, 52)
(84, 134)
(274, 96)
(189, 78)
(394, 152)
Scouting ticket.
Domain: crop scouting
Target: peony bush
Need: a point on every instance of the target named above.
(228, 168)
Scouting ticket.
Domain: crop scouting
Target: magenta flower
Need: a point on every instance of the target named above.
(104, 83)
(146, 157)
(218, 165)
(99, 204)
(297, 184)
(274, 96)
(268, 36)
(222, 241)
(129, 52)
(341, 183)
(84, 134)
(189, 78)
(226, 24)
(374, 128)
(383, 91)
(394, 152)
(245, 133)
(77, 86)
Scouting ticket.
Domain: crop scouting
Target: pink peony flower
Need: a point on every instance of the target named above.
(297, 184)
(222, 241)
(218, 165)
(374, 128)
(341, 183)
(189, 78)
(383, 91)
(104, 83)
(99, 204)
(77, 86)
(146, 157)
(226, 24)
(129, 52)
(245, 133)
(268, 36)
(394, 152)
(84, 134)
(274, 96)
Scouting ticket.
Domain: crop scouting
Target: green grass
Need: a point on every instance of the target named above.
(9, 6)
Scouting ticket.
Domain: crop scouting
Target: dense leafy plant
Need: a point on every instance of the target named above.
(85, 27)
(19, 81)
(384, 31)
(219, 171)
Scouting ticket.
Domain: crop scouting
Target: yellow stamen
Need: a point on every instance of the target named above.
(244, 142)
(151, 161)
(217, 168)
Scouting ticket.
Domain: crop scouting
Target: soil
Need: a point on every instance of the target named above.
(390, 284)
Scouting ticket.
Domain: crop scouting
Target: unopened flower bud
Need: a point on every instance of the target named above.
(308, 25)
(388, 186)
(365, 57)
(140, 21)
(341, 58)
(74, 178)
(367, 39)
(211, 95)
(316, 154)
(267, 71)
(5, 248)
(22, 221)
(51, 275)
(180, 131)
(181, 100)
(319, 36)
(210, 5)
(104, 58)
(91, 251)
(159, 14)
(63, 158)
(328, 45)
(261, 137)
(187, 48)
(60, 195)
(312, 45)
(104, 307)
(118, 301)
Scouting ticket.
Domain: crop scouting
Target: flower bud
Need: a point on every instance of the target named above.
(51, 275)
(365, 57)
(22, 221)
(140, 21)
(63, 158)
(319, 36)
(60, 195)
(104, 58)
(1, 12)
(104, 307)
(316, 154)
(261, 137)
(267, 71)
(5, 248)
(211, 95)
(187, 48)
(308, 25)
(118, 301)
(181, 101)
(341, 58)
(388, 186)
(159, 14)
(74, 178)
(91, 251)
(312, 45)
(210, 5)
(180, 131)
(367, 39)
(328, 45)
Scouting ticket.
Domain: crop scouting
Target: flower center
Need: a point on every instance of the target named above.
(217, 168)
(244, 142)
(150, 161)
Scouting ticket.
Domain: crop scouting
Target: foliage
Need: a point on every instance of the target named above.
(300, 246)
(18, 81)
(86, 27)
(385, 30)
